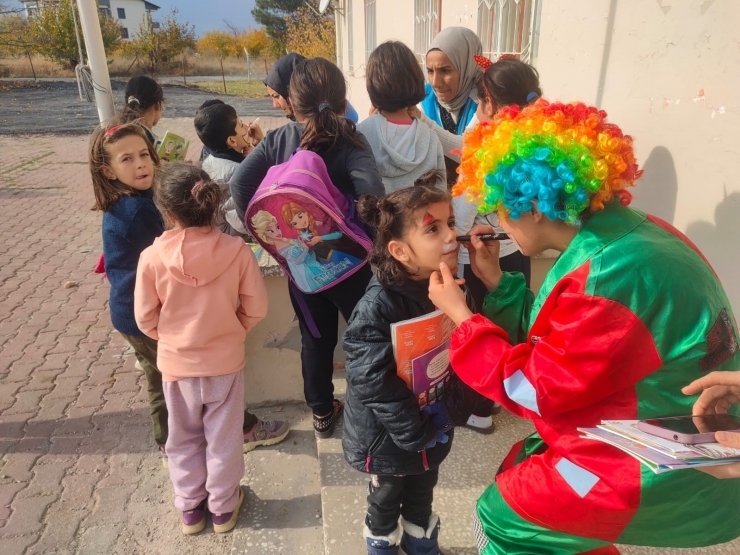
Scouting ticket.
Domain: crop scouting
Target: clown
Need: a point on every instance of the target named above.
(629, 313)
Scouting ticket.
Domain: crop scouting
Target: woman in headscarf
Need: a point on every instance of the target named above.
(451, 100)
(278, 81)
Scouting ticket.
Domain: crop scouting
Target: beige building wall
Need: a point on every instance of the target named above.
(668, 72)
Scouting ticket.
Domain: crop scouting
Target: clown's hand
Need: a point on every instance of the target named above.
(484, 257)
(445, 293)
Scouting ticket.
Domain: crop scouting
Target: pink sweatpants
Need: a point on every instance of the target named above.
(205, 442)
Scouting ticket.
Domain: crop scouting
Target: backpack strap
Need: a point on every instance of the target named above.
(298, 296)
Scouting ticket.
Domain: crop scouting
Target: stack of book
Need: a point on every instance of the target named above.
(658, 454)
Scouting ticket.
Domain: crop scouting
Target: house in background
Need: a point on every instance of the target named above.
(129, 13)
(666, 71)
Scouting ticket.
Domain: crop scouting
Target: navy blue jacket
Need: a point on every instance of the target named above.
(129, 226)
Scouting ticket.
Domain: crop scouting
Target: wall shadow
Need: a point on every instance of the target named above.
(719, 243)
(657, 190)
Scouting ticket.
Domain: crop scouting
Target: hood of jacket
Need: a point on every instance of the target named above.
(390, 162)
(196, 256)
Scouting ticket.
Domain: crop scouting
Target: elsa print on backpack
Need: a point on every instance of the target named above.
(307, 225)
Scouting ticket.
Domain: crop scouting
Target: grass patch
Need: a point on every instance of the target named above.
(247, 89)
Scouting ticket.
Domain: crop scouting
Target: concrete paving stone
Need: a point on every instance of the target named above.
(42, 380)
(100, 374)
(110, 505)
(39, 429)
(8, 491)
(26, 515)
(52, 408)
(125, 382)
(47, 479)
(65, 344)
(77, 424)
(21, 371)
(123, 469)
(54, 361)
(66, 386)
(26, 402)
(91, 396)
(98, 540)
(12, 427)
(78, 365)
(116, 402)
(59, 535)
(15, 544)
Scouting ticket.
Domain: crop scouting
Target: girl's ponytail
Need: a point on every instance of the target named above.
(318, 92)
(186, 194)
(141, 93)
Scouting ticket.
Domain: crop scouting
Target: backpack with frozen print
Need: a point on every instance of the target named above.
(309, 227)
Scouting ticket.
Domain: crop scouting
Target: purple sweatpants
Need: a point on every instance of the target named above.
(205, 444)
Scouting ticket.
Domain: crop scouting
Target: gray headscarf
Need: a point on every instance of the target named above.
(460, 44)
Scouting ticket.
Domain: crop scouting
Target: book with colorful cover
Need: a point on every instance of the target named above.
(172, 148)
(659, 454)
(421, 347)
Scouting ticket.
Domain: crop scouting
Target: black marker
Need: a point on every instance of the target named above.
(486, 237)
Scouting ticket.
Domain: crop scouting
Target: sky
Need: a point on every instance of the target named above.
(208, 15)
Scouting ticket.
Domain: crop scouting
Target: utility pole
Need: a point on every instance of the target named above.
(96, 58)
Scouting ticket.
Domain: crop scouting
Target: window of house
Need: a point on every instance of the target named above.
(507, 27)
(155, 25)
(121, 13)
(427, 23)
(350, 38)
(105, 11)
(370, 28)
(124, 33)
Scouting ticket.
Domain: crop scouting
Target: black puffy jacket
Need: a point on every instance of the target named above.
(384, 430)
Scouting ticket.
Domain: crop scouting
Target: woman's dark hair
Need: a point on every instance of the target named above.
(141, 93)
(318, 92)
(509, 81)
(187, 194)
(108, 191)
(394, 77)
(393, 216)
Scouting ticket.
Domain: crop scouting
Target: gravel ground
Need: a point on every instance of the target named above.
(55, 107)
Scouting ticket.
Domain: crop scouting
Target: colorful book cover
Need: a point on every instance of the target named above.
(421, 347)
(172, 147)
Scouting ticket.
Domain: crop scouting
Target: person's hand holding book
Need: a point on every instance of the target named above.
(719, 391)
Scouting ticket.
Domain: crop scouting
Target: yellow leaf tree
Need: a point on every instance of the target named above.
(222, 44)
(255, 42)
(311, 35)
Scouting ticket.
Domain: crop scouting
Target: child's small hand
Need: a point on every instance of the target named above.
(439, 416)
(315, 241)
(445, 293)
(439, 437)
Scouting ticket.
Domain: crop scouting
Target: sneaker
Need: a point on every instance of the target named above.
(323, 426)
(195, 520)
(163, 456)
(138, 366)
(224, 522)
(265, 432)
(481, 424)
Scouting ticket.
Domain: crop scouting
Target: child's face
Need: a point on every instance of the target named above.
(431, 240)
(273, 231)
(129, 162)
(239, 140)
(300, 221)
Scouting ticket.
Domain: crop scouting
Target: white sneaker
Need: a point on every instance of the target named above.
(481, 424)
(137, 365)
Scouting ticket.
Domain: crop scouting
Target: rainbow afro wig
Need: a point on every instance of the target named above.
(564, 156)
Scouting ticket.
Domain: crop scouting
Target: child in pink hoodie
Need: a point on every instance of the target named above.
(198, 292)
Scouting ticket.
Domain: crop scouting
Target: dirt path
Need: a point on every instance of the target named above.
(55, 107)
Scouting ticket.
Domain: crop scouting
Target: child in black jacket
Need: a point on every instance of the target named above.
(386, 434)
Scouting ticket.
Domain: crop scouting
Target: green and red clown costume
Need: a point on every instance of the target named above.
(629, 314)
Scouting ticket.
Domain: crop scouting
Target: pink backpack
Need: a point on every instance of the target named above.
(307, 225)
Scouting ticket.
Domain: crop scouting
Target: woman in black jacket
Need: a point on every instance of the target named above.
(386, 434)
(317, 96)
